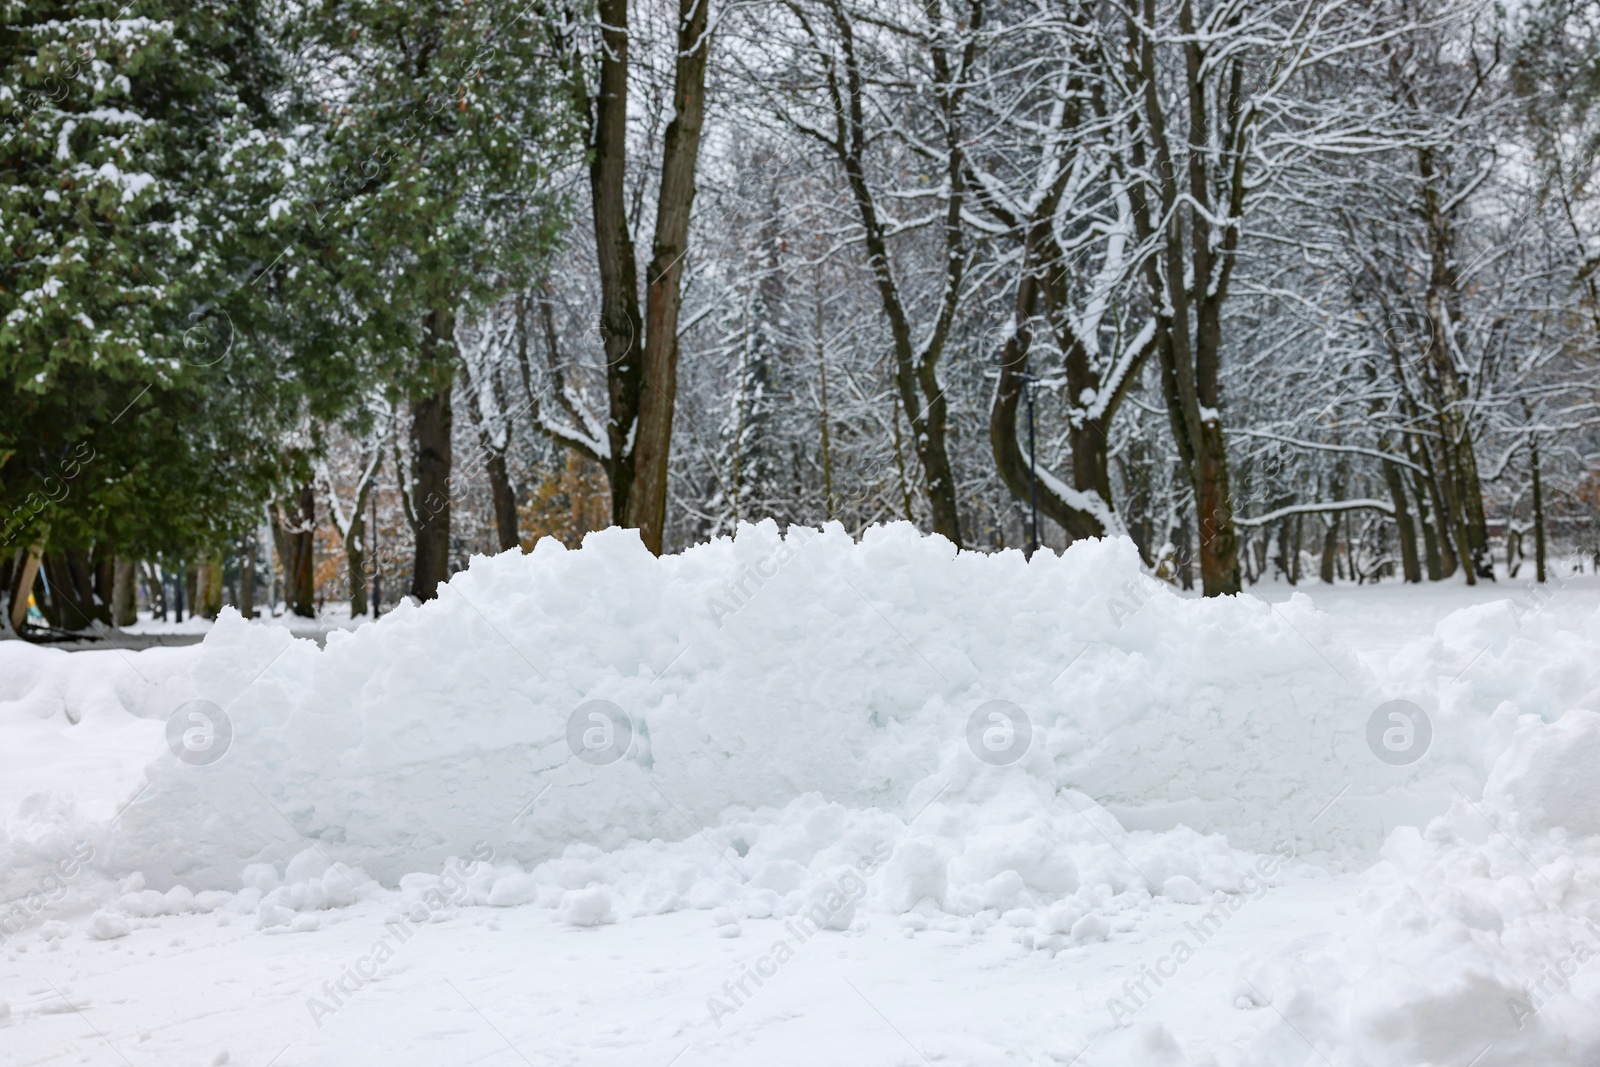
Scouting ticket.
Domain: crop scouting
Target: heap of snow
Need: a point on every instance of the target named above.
(756, 670)
(804, 725)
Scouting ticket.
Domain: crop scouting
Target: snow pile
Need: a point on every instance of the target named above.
(44, 683)
(751, 672)
(1483, 929)
(810, 734)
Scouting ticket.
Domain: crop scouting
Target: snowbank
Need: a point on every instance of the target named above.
(824, 731)
(752, 672)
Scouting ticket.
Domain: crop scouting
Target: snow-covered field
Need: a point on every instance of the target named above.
(817, 802)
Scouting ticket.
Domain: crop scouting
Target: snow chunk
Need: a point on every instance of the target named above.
(587, 907)
(108, 925)
(1548, 776)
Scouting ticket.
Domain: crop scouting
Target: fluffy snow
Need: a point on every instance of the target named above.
(802, 800)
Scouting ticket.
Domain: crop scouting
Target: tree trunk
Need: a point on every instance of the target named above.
(1462, 488)
(1430, 545)
(355, 561)
(1444, 525)
(647, 501)
(1538, 512)
(247, 576)
(156, 589)
(1449, 485)
(1402, 520)
(208, 602)
(375, 554)
(1286, 550)
(1440, 561)
(1188, 280)
(431, 425)
(505, 502)
(1219, 546)
(502, 494)
(299, 554)
(827, 441)
(1009, 459)
(915, 374)
(1330, 549)
(1299, 540)
(22, 587)
(70, 579)
(105, 578)
(620, 325)
(901, 477)
(1184, 543)
(10, 565)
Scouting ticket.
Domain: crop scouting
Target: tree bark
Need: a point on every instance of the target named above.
(1402, 519)
(1008, 456)
(1044, 279)
(247, 576)
(355, 563)
(1283, 560)
(157, 590)
(1463, 488)
(22, 587)
(1299, 540)
(295, 533)
(124, 593)
(1330, 548)
(299, 553)
(431, 425)
(1538, 510)
(620, 325)
(1189, 295)
(1183, 540)
(915, 374)
(71, 604)
(208, 602)
(647, 500)
(502, 494)
(105, 577)
(827, 440)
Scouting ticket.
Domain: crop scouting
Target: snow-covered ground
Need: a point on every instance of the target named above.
(334, 617)
(817, 802)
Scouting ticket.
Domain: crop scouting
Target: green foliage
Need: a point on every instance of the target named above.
(444, 124)
(137, 146)
(224, 231)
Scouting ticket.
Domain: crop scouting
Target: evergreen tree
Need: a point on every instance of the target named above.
(442, 133)
(139, 154)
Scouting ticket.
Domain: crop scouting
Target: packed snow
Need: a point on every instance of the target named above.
(801, 799)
